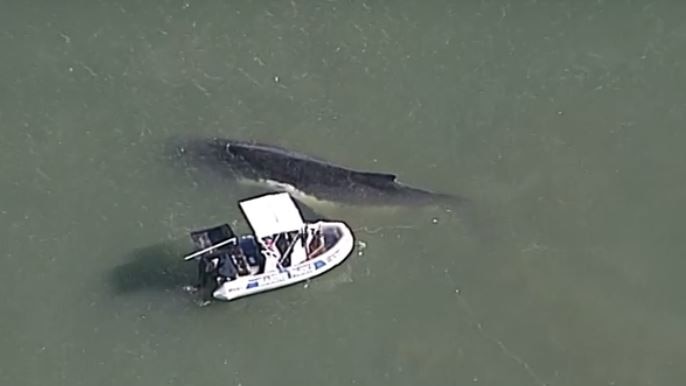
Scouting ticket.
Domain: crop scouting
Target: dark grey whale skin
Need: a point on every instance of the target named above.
(314, 177)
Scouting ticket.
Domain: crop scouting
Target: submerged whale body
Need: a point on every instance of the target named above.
(288, 170)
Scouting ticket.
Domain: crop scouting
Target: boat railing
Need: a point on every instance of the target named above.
(210, 248)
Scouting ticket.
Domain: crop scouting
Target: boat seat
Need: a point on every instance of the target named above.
(252, 252)
(239, 260)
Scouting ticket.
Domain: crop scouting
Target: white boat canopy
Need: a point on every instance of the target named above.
(272, 213)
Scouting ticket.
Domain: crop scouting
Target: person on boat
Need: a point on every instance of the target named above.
(316, 245)
(268, 243)
(270, 248)
(208, 276)
(206, 271)
(226, 270)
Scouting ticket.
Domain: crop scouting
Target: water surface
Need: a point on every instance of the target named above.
(561, 120)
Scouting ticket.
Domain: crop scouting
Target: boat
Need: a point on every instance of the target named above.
(283, 249)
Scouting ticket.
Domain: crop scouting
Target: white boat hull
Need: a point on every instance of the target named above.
(285, 276)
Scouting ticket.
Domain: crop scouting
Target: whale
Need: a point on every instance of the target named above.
(281, 169)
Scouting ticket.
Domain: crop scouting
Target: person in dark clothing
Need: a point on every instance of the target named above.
(225, 269)
(213, 271)
(207, 276)
(206, 271)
